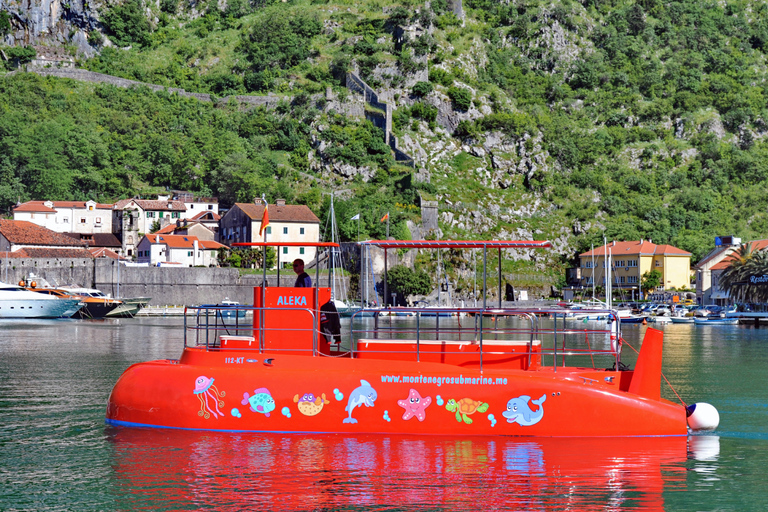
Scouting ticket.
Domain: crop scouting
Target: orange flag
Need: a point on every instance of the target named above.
(264, 219)
(385, 217)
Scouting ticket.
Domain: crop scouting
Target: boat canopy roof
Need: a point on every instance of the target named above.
(285, 244)
(458, 244)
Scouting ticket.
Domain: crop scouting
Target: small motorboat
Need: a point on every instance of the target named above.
(226, 309)
(719, 320)
(20, 302)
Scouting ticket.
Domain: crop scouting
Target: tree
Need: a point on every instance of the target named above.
(650, 280)
(405, 281)
(745, 263)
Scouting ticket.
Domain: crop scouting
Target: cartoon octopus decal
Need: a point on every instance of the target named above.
(210, 397)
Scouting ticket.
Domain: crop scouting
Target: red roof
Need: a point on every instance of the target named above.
(757, 245)
(49, 252)
(21, 232)
(39, 206)
(155, 205)
(103, 252)
(182, 241)
(279, 212)
(640, 248)
(210, 216)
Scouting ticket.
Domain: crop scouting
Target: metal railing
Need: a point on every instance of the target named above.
(488, 324)
(213, 323)
(561, 336)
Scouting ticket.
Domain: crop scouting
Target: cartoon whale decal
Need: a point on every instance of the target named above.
(518, 410)
(363, 395)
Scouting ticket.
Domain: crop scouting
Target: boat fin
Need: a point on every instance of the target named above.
(646, 380)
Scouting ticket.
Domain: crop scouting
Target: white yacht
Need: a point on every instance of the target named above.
(18, 302)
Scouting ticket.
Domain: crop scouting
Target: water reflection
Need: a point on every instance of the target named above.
(234, 472)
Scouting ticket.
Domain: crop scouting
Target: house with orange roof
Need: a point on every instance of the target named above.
(630, 260)
(16, 235)
(133, 218)
(287, 223)
(67, 216)
(711, 267)
(183, 250)
(209, 220)
(188, 227)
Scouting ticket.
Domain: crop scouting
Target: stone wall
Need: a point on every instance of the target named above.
(164, 285)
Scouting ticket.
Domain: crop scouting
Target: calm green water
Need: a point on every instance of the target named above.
(57, 454)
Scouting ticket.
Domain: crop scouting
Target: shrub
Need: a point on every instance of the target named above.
(422, 88)
(461, 98)
(440, 76)
(424, 111)
(127, 24)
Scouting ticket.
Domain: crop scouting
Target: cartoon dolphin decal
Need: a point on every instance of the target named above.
(363, 395)
(518, 410)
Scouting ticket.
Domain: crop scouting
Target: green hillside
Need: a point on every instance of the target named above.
(563, 120)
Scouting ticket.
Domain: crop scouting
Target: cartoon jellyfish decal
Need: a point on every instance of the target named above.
(210, 397)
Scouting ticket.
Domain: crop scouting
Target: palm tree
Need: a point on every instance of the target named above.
(745, 262)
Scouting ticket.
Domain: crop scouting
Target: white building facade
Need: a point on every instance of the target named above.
(67, 216)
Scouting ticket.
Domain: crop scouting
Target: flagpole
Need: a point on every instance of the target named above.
(358, 226)
(387, 225)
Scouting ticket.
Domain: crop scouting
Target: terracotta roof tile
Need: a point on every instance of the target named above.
(39, 206)
(209, 216)
(148, 204)
(21, 232)
(182, 241)
(42, 252)
(757, 245)
(641, 247)
(97, 239)
(280, 213)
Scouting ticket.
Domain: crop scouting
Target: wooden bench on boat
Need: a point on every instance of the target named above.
(507, 353)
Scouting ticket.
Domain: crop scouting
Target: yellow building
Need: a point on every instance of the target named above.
(630, 260)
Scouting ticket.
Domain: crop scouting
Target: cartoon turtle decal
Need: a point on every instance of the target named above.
(261, 401)
(309, 404)
(465, 407)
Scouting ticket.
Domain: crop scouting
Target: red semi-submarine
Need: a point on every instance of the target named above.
(489, 371)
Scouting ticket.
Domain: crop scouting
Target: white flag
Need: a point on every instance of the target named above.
(356, 217)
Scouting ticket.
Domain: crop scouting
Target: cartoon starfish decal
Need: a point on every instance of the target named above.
(415, 405)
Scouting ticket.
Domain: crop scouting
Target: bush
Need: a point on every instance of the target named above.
(461, 98)
(440, 76)
(424, 111)
(126, 24)
(406, 281)
(422, 88)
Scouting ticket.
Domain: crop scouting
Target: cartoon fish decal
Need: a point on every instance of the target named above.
(261, 401)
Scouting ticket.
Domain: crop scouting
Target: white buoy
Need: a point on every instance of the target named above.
(702, 416)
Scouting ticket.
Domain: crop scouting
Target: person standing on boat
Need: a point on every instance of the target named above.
(302, 280)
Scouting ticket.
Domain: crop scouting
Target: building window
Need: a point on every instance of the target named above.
(269, 230)
(632, 263)
(285, 231)
(301, 250)
(66, 220)
(659, 263)
(301, 231)
(190, 253)
(210, 207)
(150, 215)
(285, 250)
(621, 279)
(632, 279)
(82, 220)
(98, 220)
(175, 215)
